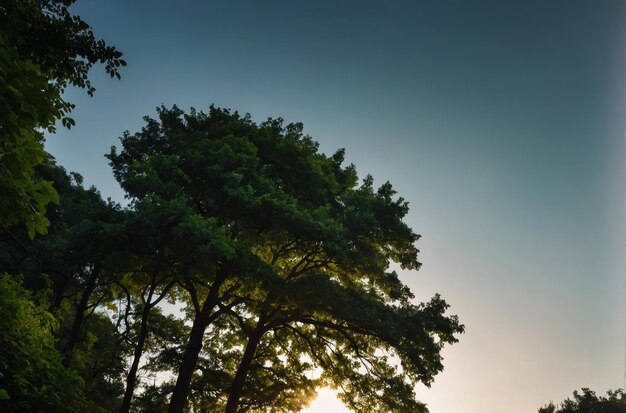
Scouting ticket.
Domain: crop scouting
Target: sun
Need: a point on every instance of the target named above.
(326, 402)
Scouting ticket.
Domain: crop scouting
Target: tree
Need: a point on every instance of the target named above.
(296, 253)
(71, 267)
(157, 237)
(84, 234)
(43, 49)
(588, 402)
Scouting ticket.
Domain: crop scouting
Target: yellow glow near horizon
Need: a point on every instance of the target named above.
(326, 402)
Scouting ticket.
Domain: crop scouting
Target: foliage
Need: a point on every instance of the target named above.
(70, 48)
(28, 103)
(588, 402)
(100, 361)
(83, 232)
(43, 49)
(277, 253)
(69, 266)
(32, 377)
(298, 260)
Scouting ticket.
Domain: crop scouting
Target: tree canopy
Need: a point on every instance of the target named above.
(278, 255)
(68, 271)
(297, 255)
(588, 402)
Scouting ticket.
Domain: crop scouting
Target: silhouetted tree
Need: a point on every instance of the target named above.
(588, 402)
(295, 251)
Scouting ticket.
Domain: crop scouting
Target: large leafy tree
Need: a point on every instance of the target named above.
(43, 49)
(296, 253)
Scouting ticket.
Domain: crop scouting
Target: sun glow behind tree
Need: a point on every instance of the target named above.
(326, 402)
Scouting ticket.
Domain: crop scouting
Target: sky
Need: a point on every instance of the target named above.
(501, 122)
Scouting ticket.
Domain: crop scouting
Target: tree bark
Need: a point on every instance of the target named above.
(194, 346)
(148, 305)
(234, 395)
(79, 318)
(59, 291)
(188, 365)
(131, 380)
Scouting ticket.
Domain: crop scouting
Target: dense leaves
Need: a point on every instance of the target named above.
(43, 49)
(28, 103)
(297, 268)
(61, 44)
(72, 267)
(588, 402)
(32, 377)
(276, 253)
(58, 354)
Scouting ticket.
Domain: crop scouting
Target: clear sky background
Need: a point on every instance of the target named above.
(501, 122)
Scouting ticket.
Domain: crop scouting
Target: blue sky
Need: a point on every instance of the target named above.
(501, 122)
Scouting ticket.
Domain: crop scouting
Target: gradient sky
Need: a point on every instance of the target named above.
(501, 122)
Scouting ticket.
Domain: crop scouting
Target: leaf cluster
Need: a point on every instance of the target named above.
(587, 401)
(61, 44)
(43, 49)
(32, 377)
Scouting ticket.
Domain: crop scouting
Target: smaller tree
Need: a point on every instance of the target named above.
(588, 402)
(71, 266)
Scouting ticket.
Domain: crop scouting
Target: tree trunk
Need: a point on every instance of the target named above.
(131, 380)
(234, 395)
(188, 365)
(79, 318)
(59, 292)
(194, 346)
